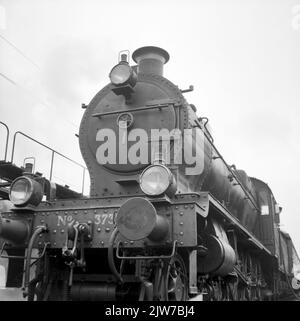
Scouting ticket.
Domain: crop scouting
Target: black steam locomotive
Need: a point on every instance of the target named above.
(156, 225)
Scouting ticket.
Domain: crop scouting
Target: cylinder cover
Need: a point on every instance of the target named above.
(220, 258)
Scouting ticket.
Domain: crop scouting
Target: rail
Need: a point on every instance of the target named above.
(53, 153)
(7, 138)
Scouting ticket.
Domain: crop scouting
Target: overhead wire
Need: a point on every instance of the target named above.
(7, 78)
(19, 51)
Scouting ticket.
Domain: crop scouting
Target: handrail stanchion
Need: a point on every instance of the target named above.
(51, 168)
(83, 179)
(7, 138)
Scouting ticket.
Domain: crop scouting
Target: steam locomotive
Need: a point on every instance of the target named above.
(156, 226)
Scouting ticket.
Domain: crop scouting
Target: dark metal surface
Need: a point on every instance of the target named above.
(210, 237)
(152, 94)
(220, 258)
(139, 109)
(143, 257)
(93, 292)
(181, 216)
(15, 231)
(9, 171)
(137, 219)
(234, 222)
(63, 192)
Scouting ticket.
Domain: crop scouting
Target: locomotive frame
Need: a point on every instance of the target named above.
(207, 241)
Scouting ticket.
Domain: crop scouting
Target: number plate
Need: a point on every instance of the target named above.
(102, 219)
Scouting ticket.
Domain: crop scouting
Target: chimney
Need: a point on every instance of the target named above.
(151, 60)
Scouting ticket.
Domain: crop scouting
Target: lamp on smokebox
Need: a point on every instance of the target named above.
(123, 77)
(25, 191)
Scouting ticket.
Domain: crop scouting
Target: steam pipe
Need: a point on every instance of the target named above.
(36, 233)
(111, 262)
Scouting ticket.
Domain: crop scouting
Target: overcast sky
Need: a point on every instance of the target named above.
(243, 58)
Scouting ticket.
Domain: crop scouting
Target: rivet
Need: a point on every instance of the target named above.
(99, 229)
(125, 242)
(181, 213)
(176, 207)
(62, 231)
(181, 243)
(40, 243)
(107, 229)
(102, 243)
(105, 211)
(181, 223)
(192, 206)
(181, 233)
(84, 212)
(54, 243)
(42, 221)
(65, 213)
(185, 206)
(131, 242)
(54, 231)
(89, 222)
(95, 211)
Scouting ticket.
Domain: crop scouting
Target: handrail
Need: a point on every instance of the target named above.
(7, 138)
(248, 194)
(52, 156)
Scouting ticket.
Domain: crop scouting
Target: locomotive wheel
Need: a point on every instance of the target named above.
(176, 280)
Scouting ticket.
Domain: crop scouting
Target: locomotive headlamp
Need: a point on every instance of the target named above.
(25, 191)
(156, 180)
(122, 74)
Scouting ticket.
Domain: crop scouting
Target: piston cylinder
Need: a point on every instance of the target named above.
(220, 258)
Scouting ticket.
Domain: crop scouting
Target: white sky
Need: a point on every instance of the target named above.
(241, 56)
